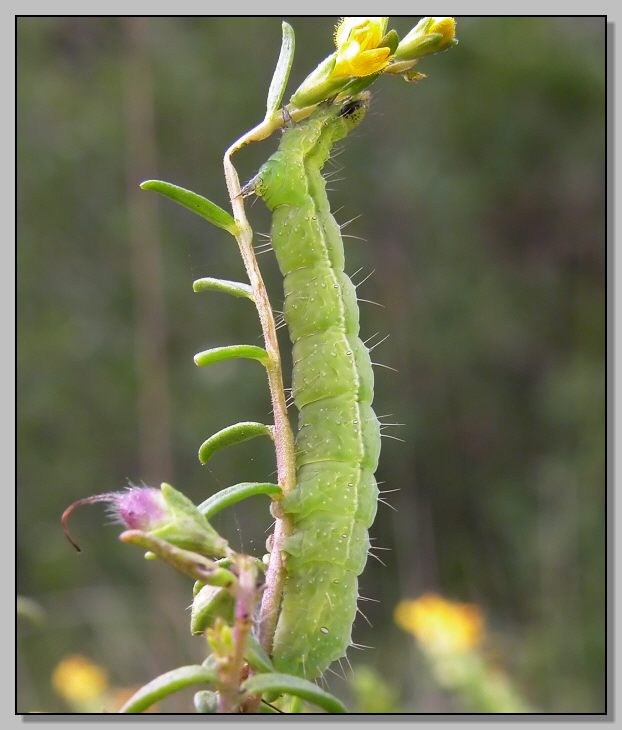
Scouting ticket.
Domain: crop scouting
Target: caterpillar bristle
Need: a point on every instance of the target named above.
(336, 152)
(361, 647)
(376, 344)
(356, 286)
(393, 438)
(331, 175)
(347, 223)
(382, 365)
(367, 598)
(370, 301)
(388, 504)
(375, 557)
(358, 610)
(334, 673)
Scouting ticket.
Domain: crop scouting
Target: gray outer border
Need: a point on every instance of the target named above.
(7, 253)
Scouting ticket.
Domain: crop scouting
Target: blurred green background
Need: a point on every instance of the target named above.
(482, 193)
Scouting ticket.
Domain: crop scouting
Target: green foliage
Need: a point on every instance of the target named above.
(210, 603)
(231, 495)
(257, 657)
(218, 354)
(282, 70)
(196, 203)
(372, 693)
(167, 684)
(230, 436)
(288, 684)
(235, 288)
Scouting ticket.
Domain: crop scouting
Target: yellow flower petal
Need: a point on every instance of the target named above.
(439, 625)
(77, 679)
(354, 62)
(368, 31)
(446, 27)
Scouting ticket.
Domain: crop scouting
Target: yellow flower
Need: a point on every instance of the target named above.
(446, 27)
(357, 40)
(441, 626)
(430, 35)
(77, 679)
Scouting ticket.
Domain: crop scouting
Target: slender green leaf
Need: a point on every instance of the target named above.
(230, 435)
(167, 684)
(194, 202)
(231, 495)
(257, 656)
(218, 354)
(288, 684)
(281, 72)
(235, 288)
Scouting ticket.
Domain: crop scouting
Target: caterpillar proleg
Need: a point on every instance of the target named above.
(338, 438)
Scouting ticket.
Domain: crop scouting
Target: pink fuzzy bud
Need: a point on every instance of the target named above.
(141, 508)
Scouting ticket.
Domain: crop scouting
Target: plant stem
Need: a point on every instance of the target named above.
(245, 597)
(283, 436)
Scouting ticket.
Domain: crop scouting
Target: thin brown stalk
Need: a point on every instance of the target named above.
(283, 436)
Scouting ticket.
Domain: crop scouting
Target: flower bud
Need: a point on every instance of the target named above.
(430, 35)
(220, 640)
(318, 85)
(360, 52)
(186, 527)
(206, 702)
(141, 508)
(164, 513)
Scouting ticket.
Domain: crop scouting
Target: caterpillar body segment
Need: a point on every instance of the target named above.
(338, 438)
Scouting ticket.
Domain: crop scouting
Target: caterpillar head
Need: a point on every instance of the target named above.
(282, 179)
(353, 110)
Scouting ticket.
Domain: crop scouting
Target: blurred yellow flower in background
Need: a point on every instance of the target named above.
(78, 680)
(441, 626)
(357, 40)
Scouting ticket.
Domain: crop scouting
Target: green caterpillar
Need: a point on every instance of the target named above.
(338, 439)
